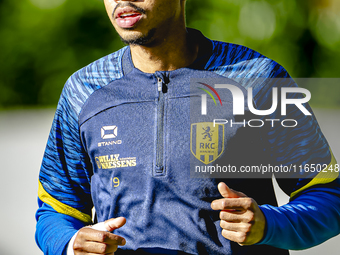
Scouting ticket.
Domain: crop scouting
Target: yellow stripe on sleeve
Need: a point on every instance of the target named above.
(60, 207)
(327, 175)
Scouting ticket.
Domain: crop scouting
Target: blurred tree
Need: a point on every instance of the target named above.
(44, 42)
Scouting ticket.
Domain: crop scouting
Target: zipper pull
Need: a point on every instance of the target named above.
(159, 84)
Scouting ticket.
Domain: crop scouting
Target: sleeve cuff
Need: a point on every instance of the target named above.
(69, 250)
(267, 211)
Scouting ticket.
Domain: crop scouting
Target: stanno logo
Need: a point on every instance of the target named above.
(109, 132)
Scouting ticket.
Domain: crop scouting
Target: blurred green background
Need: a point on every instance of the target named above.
(42, 42)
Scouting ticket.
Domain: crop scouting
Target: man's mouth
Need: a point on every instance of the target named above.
(127, 17)
(128, 14)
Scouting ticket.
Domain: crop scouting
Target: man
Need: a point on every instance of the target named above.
(121, 141)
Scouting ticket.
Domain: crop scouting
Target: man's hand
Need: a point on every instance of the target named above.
(242, 220)
(92, 241)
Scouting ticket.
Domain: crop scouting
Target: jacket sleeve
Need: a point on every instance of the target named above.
(64, 181)
(313, 213)
(308, 220)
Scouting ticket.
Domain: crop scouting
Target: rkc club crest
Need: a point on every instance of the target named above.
(207, 141)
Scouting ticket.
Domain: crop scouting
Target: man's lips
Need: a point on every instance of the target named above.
(127, 17)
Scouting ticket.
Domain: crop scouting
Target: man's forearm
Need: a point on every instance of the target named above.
(307, 221)
(54, 230)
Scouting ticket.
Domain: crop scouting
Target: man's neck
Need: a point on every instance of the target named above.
(171, 53)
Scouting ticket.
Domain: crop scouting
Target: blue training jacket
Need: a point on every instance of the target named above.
(125, 142)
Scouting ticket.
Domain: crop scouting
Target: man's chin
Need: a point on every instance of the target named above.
(138, 39)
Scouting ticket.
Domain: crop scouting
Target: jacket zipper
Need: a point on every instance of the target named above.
(159, 170)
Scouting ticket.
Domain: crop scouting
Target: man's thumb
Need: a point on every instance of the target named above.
(226, 192)
(110, 224)
(114, 223)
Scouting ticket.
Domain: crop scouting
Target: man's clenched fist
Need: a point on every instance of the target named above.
(89, 240)
(242, 220)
